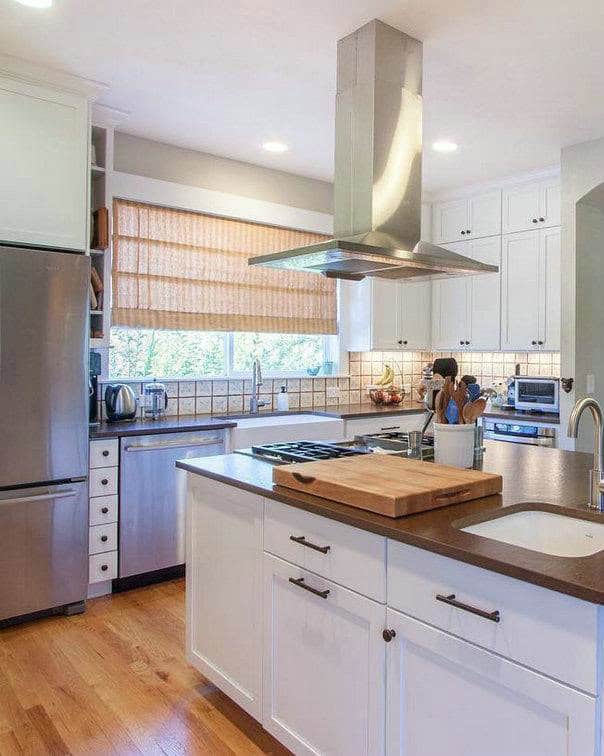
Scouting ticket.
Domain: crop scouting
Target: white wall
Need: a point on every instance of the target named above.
(582, 333)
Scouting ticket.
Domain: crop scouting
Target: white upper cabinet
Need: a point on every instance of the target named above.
(531, 205)
(472, 217)
(386, 315)
(44, 166)
(530, 289)
(466, 310)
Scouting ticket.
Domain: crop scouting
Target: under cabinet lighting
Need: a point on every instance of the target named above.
(36, 3)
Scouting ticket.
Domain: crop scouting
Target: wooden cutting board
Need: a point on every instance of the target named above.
(392, 486)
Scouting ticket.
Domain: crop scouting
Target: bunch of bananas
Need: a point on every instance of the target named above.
(386, 378)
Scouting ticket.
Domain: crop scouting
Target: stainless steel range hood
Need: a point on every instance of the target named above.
(378, 168)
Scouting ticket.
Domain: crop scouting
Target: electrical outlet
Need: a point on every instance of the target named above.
(333, 392)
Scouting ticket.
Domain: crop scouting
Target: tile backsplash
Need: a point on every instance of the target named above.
(188, 397)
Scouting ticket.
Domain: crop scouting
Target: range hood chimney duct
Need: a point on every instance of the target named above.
(378, 168)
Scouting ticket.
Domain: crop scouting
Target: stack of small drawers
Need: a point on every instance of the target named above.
(103, 487)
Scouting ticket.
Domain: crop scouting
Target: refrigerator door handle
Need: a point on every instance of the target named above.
(40, 497)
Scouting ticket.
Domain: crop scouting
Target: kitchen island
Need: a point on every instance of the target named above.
(347, 632)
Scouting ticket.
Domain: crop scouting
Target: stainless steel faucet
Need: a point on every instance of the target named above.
(596, 482)
(255, 401)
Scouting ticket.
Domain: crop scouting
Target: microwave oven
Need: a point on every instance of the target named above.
(537, 394)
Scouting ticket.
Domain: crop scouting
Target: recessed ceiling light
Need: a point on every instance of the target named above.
(443, 145)
(36, 3)
(275, 147)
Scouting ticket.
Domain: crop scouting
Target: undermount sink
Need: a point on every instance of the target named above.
(547, 532)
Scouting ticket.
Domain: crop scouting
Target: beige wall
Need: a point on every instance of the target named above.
(144, 157)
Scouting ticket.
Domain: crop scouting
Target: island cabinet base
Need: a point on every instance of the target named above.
(340, 642)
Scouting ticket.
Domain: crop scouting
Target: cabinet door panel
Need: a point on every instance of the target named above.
(484, 215)
(485, 309)
(446, 696)
(224, 589)
(450, 219)
(43, 163)
(549, 203)
(520, 291)
(324, 665)
(521, 208)
(550, 288)
(415, 314)
(449, 313)
(385, 315)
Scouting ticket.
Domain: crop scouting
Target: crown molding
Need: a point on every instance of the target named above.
(104, 115)
(34, 73)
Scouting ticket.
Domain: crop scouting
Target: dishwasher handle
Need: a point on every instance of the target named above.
(65, 494)
(214, 441)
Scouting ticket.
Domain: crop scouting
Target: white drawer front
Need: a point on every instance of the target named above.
(346, 555)
(102, 567)
(103, 509)
(102, 538)
(103, 481)
(104, 453)
(361, 425)
(542, 629)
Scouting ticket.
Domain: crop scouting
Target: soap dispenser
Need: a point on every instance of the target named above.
(282, 400)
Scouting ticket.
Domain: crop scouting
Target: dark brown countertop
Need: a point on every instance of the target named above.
(556, 480)
(513, 414)
(173, 424)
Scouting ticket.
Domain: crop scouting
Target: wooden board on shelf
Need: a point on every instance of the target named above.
(392, 486)
(100, 229)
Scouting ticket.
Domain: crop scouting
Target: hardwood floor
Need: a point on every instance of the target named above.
(115, 681)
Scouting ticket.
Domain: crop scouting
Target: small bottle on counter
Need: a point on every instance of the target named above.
(282, 399)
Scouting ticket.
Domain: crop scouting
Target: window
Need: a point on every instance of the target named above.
(185, 302)
(140, 353)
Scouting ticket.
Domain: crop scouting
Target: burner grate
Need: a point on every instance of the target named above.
(305, 451)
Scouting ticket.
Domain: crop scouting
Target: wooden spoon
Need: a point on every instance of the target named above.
(439, 407)
(460, 396)
(473, 410)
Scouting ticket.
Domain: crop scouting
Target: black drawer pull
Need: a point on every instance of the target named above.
(104, 538)
(390, 427)
(105, 453)
(104, 481)
(493, 616)
(104, 510)
(301, 584)
(104, 567)
(303, 542)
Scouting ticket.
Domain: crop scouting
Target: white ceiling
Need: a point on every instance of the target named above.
(512, 81)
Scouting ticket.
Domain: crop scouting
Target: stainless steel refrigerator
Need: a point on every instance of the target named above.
(43, 430)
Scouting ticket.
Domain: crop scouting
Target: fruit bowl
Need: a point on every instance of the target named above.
(383, 395)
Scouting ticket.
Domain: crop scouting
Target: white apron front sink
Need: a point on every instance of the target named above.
(547, 532)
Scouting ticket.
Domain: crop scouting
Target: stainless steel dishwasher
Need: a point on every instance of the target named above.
(152, 497)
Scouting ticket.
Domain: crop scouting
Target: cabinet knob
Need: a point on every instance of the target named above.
(105, 453)
(405, 342)
(542, 220)
(469, 231)
(540, 343)
(388, 635)
(461, 343)
(535, 220)
(104, 567)
(534, 343)
(467, 343)
(104, 510)
(104, 482)
(104, 539)
(400, 341)
(463, 233)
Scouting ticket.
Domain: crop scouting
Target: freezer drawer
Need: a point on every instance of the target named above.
(152, 497)
(44, 554)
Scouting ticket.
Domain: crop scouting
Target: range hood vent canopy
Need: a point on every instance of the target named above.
(378, 169)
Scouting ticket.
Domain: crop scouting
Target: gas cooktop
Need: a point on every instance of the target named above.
(306, 451)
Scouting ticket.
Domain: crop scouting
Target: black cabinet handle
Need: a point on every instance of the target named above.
(542, 220)
(104, 567)
(405, 343)
(534, 343)
(303, 542)
(540, 343)
(469, 231)
(104, 510)
(104, 482)
(400, 341)
(105, 453)
(535, 220)
(463, 233)
(450, 599)
(301, 584)
(461, 343)
(467, 343)
(104, 539)
(388, 635)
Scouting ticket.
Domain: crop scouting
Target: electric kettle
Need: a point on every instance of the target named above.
(120, 402)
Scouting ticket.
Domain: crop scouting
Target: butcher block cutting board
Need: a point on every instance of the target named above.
(392, 486)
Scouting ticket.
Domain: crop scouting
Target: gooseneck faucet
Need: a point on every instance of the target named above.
(255, 401)
(596, 482)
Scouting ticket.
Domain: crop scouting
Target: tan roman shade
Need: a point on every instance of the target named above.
(176, 269)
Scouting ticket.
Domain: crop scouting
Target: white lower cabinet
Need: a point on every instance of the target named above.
(449, 697)
(324, 664)
(224, 589)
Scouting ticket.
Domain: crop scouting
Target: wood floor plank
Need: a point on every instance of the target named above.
(115, 681)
